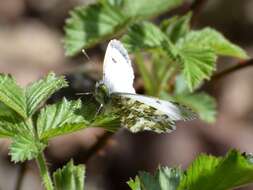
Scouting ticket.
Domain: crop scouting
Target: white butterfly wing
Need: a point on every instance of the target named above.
(174, 111)
(118, 73)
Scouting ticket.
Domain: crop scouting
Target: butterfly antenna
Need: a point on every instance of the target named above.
(85, 54)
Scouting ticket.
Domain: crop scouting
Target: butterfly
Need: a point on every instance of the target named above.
(115, 92)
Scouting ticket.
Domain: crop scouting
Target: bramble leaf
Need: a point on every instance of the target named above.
(10, 122)
(25, 147)
(41, 90)
(109, 122)
(134, 184)
(209, 172)
(176, 27)
(60, 118)
(200, 102)
(146, 35)
(89, 25)
(12, 95)
(164, 179)
(69, 177)
(203, 104)
(7, 129)
(198, 64)
(148, 8)
(210, 38)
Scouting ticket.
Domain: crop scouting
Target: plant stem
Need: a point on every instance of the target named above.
(44, 172)
(238, 66)
(21, 175)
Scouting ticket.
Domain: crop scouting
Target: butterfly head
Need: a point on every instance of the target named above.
(101, 93)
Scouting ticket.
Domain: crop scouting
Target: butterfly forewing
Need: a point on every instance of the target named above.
(118, 73)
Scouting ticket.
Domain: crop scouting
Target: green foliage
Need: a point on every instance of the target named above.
(12, 95)
(199, 50)
(206, 172)
(146, 35)
(40, 91)
(201, 103)
(25, 147)
(29, 127)
(148, 8)
(60, 118)
(92, 24)
(134, 184)
(110, 122)
(198, 64)
(164, 179)
(209, 172)
(171, 49)
(179, 60)
(210, 38)
(195, 52)
(30, 124)
(69, 177)
(7, 129)
(176, 27)
(95, 23)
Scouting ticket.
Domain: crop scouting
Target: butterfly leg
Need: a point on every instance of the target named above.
(84, 93)
(99, 109)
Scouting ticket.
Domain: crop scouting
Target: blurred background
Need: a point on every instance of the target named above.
(31, 33)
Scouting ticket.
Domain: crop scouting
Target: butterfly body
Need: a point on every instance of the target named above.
(136, 112)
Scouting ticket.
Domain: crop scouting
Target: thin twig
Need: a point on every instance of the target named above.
(21, 175)
(102, 139)
(81, 155)
(238, 66)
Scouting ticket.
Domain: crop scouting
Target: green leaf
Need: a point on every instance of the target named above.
(108, 121)
(116, 3)
(7, 129)
(164, 179)
(41, 90)
(70, 177)
(146, 35)
(209, 172)
(60, 118)
(10, 126)
(12, 95)
(89, 25)
(176, 27)
(210, 38)
(148, 8)
(92, 24)
(198, 64)
(134, 184)
(9, 120)
(90, 108)
(25, 147)
(201, 103)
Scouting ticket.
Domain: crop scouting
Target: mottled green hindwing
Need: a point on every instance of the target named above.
(137, 116)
